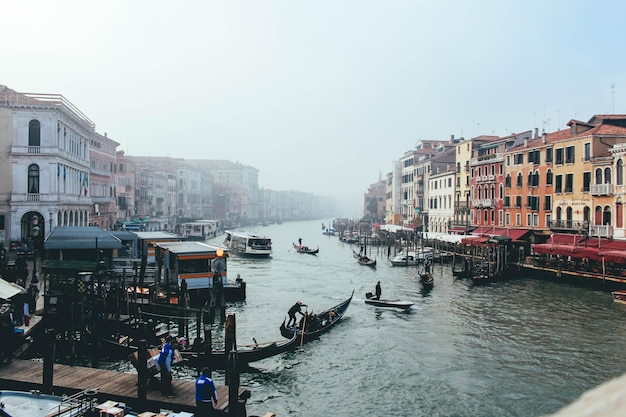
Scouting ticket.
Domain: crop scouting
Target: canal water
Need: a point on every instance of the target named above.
(520, 347)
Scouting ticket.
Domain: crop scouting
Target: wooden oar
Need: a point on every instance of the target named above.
(303, 327)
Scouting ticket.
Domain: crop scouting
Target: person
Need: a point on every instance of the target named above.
(296, 308)
(300, 241)
(166, 357)
(378, 291)
(206, 394)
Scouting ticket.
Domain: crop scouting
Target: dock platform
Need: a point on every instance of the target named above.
(26, 375)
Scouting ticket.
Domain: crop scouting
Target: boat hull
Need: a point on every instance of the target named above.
(389, 303)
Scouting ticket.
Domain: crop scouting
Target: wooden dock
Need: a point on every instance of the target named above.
(26, 375)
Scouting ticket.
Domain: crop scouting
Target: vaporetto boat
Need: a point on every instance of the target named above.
(244, 243)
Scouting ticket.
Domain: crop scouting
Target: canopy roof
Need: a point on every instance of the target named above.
(9, 289)
(84, 238)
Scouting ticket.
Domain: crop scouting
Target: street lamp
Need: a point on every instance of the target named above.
(35, 236)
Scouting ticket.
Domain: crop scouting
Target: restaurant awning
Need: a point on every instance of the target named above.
(612, 255)
(474, 240)
(9, 289)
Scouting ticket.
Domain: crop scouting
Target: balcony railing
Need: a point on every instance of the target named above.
(34, 149)
(601, 230)
(485, 202)
(566, 224)
(601, 189)
(32, 197)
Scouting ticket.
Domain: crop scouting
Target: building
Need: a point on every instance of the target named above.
(101, 179)
(45, 146)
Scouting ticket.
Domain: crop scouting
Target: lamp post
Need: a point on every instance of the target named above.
(35, 237)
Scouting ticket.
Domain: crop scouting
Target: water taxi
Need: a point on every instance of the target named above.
(243, 243)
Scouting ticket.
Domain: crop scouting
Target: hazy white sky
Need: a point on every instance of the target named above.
(321, 96)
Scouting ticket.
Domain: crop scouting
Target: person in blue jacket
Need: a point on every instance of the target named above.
(206, 394)
(165, 363)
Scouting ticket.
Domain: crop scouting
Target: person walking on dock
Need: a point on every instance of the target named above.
(206, 394)
(165, 363)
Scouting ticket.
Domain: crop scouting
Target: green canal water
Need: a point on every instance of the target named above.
(520, 347)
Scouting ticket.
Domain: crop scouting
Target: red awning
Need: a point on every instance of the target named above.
(554, 249)
(565, 239)
(617, 256)
(612, 244)
(474, 240)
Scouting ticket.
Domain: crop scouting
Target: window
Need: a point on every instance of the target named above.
(547, 203)
(569, 155)
(507, 201)
(507, 181)
(587, 152)
(518, 201)
(549, 177)
(33, 179)
(533, 157)
(559, 184)
(549, 155)
(586, 181)
(519, 179)
(569, 183)
(559, 156)
(518, 159)
(34, 133)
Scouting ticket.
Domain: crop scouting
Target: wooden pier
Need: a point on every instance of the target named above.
(27, 375)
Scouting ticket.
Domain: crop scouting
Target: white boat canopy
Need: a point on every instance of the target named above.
(9, 289)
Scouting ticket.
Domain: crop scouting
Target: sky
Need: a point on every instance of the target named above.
(320, 96)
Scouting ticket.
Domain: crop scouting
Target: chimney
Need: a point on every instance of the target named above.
(525, 142)
(544, 136)
(451, 138)
(573, 129)
(536, 133)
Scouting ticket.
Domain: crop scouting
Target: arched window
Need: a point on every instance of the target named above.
(599, 177)
(536, 179)
(569, 214)
(558, 214)
(619, 172)
(34, 133)
(607, 175)
(519, 179)
(587, 214)
(606, 215)
(598, 216)
(33, 179)
(549, 177)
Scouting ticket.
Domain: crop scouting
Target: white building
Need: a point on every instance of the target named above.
(441, 188)
(44, 165)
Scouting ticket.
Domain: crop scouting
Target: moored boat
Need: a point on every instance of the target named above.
(619, 296)
(243, 243)
(317, 325)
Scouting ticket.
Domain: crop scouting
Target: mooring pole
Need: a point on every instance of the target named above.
(142, 371)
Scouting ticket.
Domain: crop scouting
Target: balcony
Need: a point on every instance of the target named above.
(34, 149)
(484, 203)
(566, 225)
(601, 189)
(601, 230)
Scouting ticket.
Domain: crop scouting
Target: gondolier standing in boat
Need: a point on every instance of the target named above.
(378, 291)
(205, 394)
(300, 241)
(296, 308)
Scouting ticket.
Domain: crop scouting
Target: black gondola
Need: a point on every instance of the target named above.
(245, 354)
(363, 259)
(318, 325)
(305, 249)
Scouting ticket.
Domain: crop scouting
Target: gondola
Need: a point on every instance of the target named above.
(383, 302)
(426, 279)
(245, 354)
(305, 249)
(326, 320)
(363, 259)
(218, 360)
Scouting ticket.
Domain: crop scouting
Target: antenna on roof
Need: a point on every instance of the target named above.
(613, 92)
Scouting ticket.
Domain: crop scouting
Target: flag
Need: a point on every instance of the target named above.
(85, 184)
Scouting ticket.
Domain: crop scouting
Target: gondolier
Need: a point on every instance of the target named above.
(378, 291)
(296, 308)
